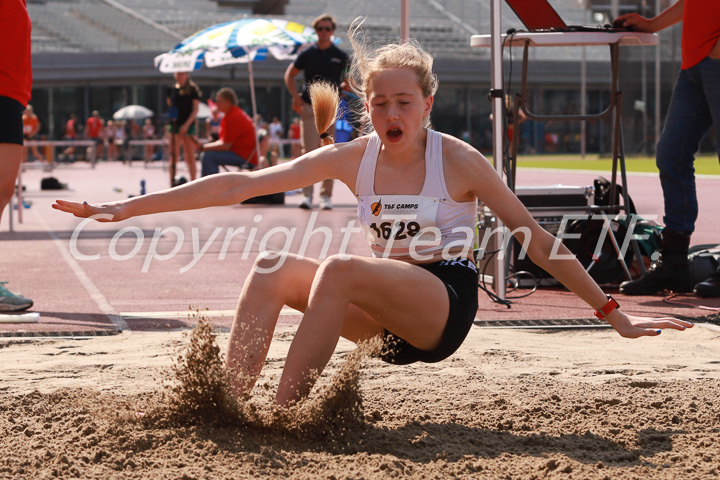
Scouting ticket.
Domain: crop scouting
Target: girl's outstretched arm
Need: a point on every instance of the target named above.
(335, 161)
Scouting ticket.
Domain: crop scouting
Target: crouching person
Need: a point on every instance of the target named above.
(236, 145)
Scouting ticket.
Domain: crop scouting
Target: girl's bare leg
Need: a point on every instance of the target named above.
(359, 298)
(261, 300)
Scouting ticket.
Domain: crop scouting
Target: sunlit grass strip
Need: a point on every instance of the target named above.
(706, 164)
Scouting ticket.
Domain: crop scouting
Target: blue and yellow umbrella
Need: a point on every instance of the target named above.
(239, 41)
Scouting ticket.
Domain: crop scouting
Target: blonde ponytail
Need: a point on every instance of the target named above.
(325, 103)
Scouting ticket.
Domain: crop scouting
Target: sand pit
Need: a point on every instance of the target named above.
(508, 404)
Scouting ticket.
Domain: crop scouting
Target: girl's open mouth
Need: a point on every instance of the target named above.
(394, 133)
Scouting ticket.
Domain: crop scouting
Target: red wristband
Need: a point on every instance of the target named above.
(607, 308)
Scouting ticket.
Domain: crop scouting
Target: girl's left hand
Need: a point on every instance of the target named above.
(102, 213)
(631, 326)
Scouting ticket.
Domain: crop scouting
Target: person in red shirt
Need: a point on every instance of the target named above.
(15, 89)
(694, 108)
(94, 128)
(71, 133)
(236, 145)
(71, 127)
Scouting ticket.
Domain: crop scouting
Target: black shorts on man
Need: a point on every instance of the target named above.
(11, 125)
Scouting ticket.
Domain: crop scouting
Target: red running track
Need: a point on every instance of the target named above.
(101, 296)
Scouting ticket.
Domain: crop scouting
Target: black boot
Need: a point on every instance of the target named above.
(670, 271)
(710, 287)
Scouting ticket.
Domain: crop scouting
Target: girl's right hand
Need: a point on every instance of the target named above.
(102, 213)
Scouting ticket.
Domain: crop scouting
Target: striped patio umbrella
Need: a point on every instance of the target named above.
(239, 41)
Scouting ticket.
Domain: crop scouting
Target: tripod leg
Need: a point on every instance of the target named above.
(616, 246)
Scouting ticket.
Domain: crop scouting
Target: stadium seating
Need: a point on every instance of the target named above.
(443, 27)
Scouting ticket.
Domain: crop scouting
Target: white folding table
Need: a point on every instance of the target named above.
(614, 40)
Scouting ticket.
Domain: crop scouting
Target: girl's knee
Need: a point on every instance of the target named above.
(337, 271)
(339, 264)
(270, 264)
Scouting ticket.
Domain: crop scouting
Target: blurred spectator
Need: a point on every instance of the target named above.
(277, 132)
(236, 145)
(551, 142)
(212, 123)
(120, 138)
(133, 129)
(183, 100)
(149, 134)
(110, 139)
(94, 130)
(71, 128)
(268, 157)
(71, 133)
(31, 127)
(261, 124)
(294, 134)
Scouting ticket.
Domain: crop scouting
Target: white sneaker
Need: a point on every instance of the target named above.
(306, 204)
(325, 203)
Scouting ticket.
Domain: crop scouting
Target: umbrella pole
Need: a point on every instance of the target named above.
(254, 109)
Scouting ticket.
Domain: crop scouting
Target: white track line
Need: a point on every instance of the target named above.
(95, 293)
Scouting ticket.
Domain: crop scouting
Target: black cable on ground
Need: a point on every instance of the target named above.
(512, 279)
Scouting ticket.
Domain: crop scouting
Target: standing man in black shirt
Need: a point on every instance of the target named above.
(321, 61)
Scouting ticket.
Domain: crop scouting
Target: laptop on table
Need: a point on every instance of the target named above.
(540, 16)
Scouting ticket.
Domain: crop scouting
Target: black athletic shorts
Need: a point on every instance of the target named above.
(11, 126)
(460, 277)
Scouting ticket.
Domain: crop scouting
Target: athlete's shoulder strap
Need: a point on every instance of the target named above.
(365, 180)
